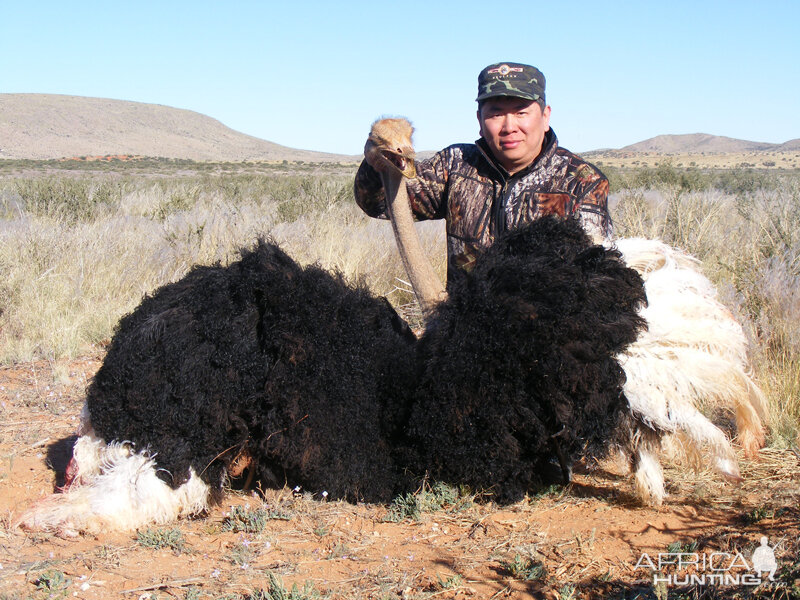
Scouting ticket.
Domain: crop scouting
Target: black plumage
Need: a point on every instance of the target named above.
(319, 384)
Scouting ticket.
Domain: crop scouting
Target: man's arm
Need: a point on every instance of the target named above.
(425, 191)
(589, 188)
(592, 211)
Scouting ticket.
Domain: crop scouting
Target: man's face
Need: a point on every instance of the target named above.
(514, 128)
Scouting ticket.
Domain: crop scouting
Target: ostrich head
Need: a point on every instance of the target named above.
(389, 147)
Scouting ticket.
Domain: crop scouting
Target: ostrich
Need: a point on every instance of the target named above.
(692, 351)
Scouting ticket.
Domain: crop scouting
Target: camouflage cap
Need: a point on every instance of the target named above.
(511, 79)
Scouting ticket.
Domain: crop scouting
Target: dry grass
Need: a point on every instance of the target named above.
(72, 270)
(749, 244)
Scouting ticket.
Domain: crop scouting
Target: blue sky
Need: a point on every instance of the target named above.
(314, 75)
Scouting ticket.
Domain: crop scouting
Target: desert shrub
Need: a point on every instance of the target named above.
(524, 568)
(308, 195)
(69, 200)
(663, 175)
(53, 584)
(666, 175)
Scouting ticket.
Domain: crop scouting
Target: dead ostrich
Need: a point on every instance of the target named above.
(693, 350)
(311, 382)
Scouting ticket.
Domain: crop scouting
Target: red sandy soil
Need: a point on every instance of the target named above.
(588, 536)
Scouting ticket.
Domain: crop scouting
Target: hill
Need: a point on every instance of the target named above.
(696, 143)
(45, 126)
(703, 151)
(790, 145)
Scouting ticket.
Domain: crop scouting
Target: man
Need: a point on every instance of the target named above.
(513, 174)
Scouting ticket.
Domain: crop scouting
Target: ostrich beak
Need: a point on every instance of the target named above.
(386, 158)
(402, 159)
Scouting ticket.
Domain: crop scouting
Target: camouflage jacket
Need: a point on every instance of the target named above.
(480, 200)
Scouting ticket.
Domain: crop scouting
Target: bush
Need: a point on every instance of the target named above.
(67, 199)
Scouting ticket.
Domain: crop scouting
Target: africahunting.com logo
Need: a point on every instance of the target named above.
(714, 568)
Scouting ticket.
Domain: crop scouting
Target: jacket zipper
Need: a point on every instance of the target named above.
(498, 211)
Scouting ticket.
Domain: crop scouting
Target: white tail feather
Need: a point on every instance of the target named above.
(694, 354)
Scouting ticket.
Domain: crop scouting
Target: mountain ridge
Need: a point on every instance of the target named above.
(51, 126)
(695, 143)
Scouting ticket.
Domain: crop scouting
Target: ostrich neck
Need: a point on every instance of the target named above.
(427, 285)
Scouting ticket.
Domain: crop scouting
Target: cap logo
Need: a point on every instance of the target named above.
(505, 70)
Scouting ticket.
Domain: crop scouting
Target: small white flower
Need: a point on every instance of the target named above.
(215, 573)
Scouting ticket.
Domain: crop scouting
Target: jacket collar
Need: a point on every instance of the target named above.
(548, 149)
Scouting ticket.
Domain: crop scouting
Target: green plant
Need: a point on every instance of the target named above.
(566, 592)
(53, 584)
(683, 547)
(758, 514)
(526, 569)
(403, 507)
(552, 490)
(277, 591)
(242, 554)
(66, 199)
(450, 583)
(158, 539)
(192, 593)
(428, 499)
(242, 519)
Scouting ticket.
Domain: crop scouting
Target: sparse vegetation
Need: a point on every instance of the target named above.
(68, 277)
(159, 538)
(242, 519)
(683, 547)
(53, 584)
(277, 591)
(524, 568)
(78, 253)
(439, 496)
